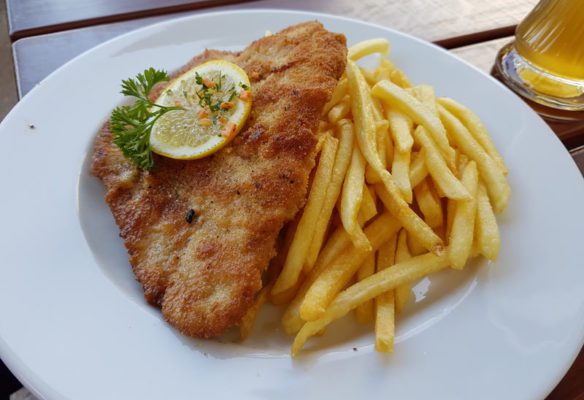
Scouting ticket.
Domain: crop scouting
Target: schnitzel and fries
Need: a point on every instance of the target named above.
(403, 184)
(205, 272)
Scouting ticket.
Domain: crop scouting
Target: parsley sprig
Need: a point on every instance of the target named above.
(131, 125)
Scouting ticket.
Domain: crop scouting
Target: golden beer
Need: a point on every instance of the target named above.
(546, 62)
(552, 37)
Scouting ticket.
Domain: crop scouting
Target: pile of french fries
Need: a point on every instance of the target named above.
(406, 184)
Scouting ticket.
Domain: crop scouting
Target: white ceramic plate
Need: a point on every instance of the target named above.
(74, 325)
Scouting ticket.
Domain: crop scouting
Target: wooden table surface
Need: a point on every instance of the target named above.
(47, 33)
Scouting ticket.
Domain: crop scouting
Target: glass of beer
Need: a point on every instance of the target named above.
(545, 63)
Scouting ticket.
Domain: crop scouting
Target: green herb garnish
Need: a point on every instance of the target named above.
(213, 96)
(131, 125)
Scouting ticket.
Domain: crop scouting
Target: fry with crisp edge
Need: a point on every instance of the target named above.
(398, 97)
(337, 242)
(369, 288)
(368, 74)
(391, 196)
(425, 94)
(368, 205)
(367, 47)
(364, 312)
(429, 204)
(415, 247)
(305, 231)
(342, 160)
(381, 135)
(351, 199)
(462, 231)
(476, 127)
(402, 253)
(400, 170)
(334, 278)
(495, 181)
(382, 72)
(338, 94)
(250, 316)
(277, 263)
(418, 170)
(401, 127)
(443, 177)
(398, 77)
(339, 110)
(415, 226)
(487, 232)
(385, 302)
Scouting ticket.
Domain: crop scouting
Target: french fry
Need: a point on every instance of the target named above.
(381, 135)
(389, 150)
(461, 234)
(287, 295)
(402, 253)
(425, 94)
(414, 225)
(376, 111)
(382, 72)
(418, 170)
(401, 127)
(461, 163)
(368, 74)
(385, 302)
(368, 47)
(250, 316)
(351, 199)
(495, 181)
(339, 110)
(391, 196)
(415, 247)
(475, 126)
(398, 97)
(368, 205)
(429, 204)
(369, 288)
(277, 263)
(450, 212)
(305, 231)
(401, 173)
(338, 241)
(398, 77)
(342, 160)
(332, 280)
(443, 177)
(364, 312)
(338, 94)
(369, 267)
(487, 232)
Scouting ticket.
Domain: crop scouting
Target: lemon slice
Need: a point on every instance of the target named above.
(215, 98)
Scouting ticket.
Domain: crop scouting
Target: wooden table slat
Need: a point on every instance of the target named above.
(35, 17)
(447, 26)
(441, 19)
(29, 52)
(578, 155)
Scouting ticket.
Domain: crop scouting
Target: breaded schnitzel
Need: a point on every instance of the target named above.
(200, 233)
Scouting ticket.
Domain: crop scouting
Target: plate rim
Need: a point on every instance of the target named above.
(31, 379)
